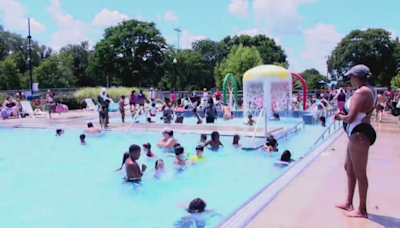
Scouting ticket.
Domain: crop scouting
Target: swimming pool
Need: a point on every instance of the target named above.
(49, 181)
(237, 121)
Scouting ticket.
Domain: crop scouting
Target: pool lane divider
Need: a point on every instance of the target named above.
(242, 216)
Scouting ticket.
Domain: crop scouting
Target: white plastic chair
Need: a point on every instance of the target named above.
(27, 109)
(90, 106)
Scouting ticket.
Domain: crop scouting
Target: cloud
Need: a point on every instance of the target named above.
(70, 31)
(14, 17)
(319, 42)
(280, 18)
(169, 39)
(186, 39)
(393, 32)
(256, 31)
(107, 17)
(239, 8)
(168, 16)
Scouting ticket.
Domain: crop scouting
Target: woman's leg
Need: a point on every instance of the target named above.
(351, 183)
(359, 147)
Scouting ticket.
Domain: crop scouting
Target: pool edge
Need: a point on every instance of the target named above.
(243, 215)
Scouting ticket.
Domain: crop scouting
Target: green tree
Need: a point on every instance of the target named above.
(372, 47)
(395, 82)
(10, 77)
(187, 73)
(80, 54)
(130, 53)
(56, 72)
(269, 51)
(312, 78)
(239, 60)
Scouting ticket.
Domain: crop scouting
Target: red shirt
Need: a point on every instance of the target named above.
(217, 95)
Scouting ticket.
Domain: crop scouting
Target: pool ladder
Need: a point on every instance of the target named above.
(335, 124)
(262, 111)
(134, 118)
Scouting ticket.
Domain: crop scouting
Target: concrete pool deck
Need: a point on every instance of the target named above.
(308, 201)
(79, 119)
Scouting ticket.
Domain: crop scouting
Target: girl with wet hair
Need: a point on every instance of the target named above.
(197, 206)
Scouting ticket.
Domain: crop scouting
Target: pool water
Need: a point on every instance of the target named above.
(49, 181)
(232, 122)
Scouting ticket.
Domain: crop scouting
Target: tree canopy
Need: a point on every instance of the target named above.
(238, 61)
(372, 47)
(134, 53)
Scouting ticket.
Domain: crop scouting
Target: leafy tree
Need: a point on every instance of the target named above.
(395, 82)
(56, 72)
(80, 54)
(131, 53)
(187, 73)
(312, 78)
(372, 47)
(10, 77)
(269, 51)
(239, 60)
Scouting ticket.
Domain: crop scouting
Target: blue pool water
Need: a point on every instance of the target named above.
(49, 181)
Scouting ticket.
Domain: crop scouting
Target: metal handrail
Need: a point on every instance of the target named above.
(336, 125)
(262, 111)
(133, 119)
(294, 127)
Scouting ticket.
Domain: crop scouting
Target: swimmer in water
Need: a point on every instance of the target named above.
(126, 156)
(214, 142)
(323, 121)
(276, 117)
(82, 138)
(236, 141)
(226, 110)
(250, 120)
(159, 168)
(198, 157)
(147, 150)
(286, 159)
(180, 160)
(91, 129)
(59, 132)
(203, 138)
(134, 171)
(271, 146)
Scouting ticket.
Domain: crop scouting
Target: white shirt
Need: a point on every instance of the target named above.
(153, 110)
(205, 95)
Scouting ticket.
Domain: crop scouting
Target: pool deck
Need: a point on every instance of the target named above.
(309, 200)
(78, 120)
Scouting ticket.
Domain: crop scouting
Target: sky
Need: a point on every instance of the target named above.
(308, 30)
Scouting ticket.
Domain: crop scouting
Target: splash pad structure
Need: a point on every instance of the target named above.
(230, 84)
(268, 88)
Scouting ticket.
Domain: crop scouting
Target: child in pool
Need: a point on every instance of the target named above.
(286, 157)
(159, 168)
(323, 121)
(198, 157)
(59, 132)
(271, 146)
(250, 120)
(236, 141)
(214, 141)
(153, 110)
(203, 138)
(82, 138)
(226, 110)
(147, 150)
(180, 159)
(276, 117)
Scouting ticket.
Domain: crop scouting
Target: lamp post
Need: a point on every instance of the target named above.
(175, 62)
(30, 56)
(178, 31)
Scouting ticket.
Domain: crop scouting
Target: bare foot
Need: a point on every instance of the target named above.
(356, 214)
(345, 206)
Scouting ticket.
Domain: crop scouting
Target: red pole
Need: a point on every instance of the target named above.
(303, 83)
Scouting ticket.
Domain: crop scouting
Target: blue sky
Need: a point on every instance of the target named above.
(308, 30)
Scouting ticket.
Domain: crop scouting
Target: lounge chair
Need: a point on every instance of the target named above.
(27, 109)
(90, 106)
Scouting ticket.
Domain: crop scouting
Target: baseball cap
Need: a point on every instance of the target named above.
(360, 70)
(166, 130)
